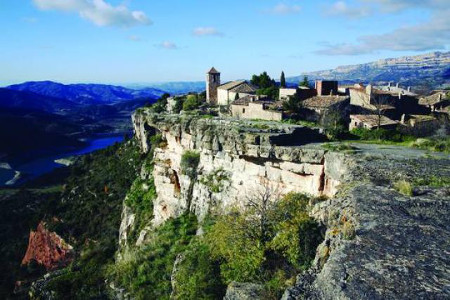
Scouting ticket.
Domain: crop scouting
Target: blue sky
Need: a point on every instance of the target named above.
(140, 41)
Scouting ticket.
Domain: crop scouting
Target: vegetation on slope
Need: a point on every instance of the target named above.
(89, 213)
(267, 243)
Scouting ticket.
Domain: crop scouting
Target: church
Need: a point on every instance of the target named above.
(224, 94)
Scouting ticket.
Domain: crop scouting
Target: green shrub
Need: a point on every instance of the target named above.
(198, 275)
(404, 187)
(192, 102)
(189, 163)
(287, 247)
(215, 180)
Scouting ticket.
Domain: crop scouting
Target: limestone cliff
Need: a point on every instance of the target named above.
(237, 159)
(378, 244)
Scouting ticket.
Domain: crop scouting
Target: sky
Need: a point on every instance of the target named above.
(144, 41)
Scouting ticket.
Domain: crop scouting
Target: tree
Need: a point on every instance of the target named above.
(192, 102)
(263, 81)
(380, 104)
(333, 123)
(293, 104)
(282, 80)
(305, 82)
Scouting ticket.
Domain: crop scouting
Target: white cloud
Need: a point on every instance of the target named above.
(283, 9)
(98, 12)
(168, 45)
(430, 35)
(205, 31)
(134, 38)
(340, 8)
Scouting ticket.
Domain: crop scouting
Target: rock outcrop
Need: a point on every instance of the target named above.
(238, 159)
(47, 249)
(381, 244)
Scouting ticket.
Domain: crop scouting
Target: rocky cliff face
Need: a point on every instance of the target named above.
(378, 244)
(47, 249)
(381, 244)
(237, 160)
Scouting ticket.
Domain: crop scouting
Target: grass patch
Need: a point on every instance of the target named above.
(404, 187)
(433, 181)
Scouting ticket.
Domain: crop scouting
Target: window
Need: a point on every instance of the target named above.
(243, 110)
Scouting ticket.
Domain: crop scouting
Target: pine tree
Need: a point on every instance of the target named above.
(282, 80)
(305, 82)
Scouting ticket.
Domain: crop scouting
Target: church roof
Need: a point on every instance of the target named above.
(231, 84)
(244, 88)
(213, 71)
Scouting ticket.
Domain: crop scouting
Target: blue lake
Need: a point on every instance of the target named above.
(37, 167)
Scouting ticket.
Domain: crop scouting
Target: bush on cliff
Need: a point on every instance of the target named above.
(192, 102)
(189, 163)
(274, 255)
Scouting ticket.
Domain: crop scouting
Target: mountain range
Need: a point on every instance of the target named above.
(86, 93)
(36, 117)
(426, 71)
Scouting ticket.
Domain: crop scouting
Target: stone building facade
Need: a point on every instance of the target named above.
(228, 92)
(250, 107)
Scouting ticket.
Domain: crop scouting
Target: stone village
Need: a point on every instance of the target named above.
(356, 106)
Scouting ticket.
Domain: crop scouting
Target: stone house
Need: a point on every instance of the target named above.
(421, 125)
(227, 92)
(371, 122)
(321, 104)
(437, 102)
(285, 93)
(252, 107)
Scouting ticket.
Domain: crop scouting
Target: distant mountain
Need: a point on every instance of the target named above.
(31, 101)
(429, 71)
(86, 93)
(176, 88)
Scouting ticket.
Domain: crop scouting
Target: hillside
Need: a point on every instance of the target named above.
(427, 71)
(86, 93)
(31, 101)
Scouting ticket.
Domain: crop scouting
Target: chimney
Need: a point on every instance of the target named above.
(397, 85)
(440, 97)
(402, 119)
(389, 85)
(409, 89)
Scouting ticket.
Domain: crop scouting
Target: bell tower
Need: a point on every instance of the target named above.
(212, 82)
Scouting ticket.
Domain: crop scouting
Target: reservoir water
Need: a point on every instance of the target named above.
(37, 167)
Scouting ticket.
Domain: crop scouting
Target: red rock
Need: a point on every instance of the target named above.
(47, 249)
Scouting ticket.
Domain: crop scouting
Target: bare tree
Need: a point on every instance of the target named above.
(261, 203)
(381, 104)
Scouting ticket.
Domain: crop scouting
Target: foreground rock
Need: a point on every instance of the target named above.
(381, 244)
(244, 291)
